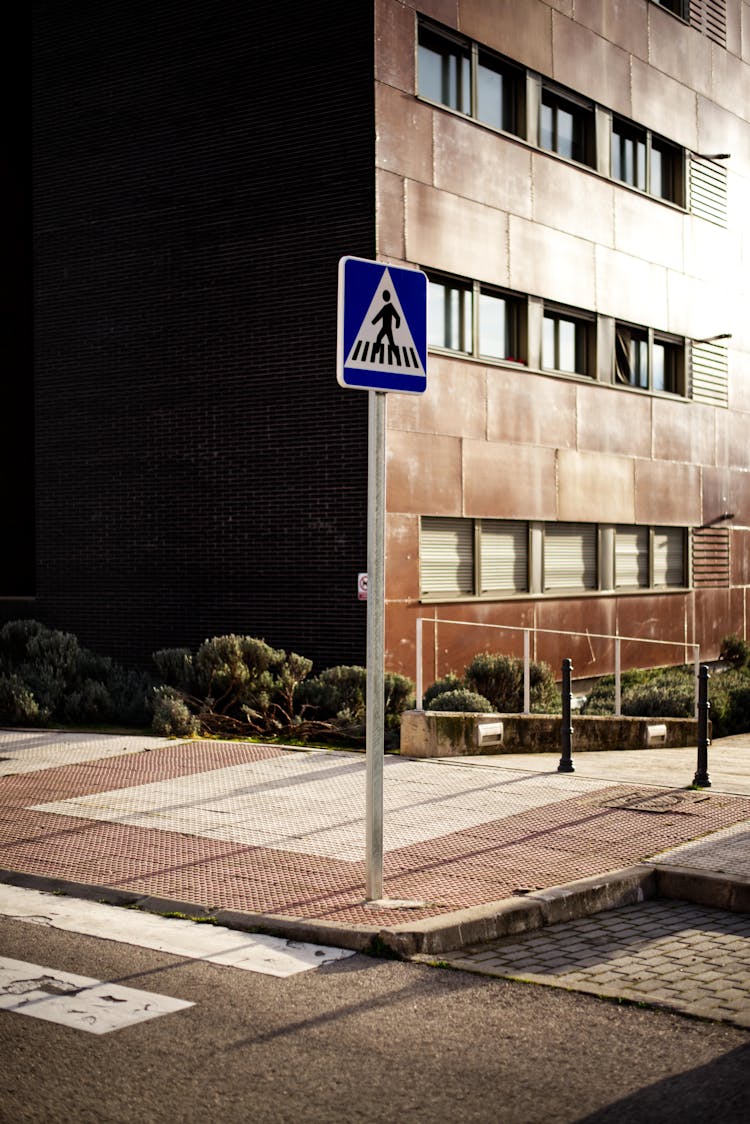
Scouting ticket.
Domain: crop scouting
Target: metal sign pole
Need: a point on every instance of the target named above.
(375, 641)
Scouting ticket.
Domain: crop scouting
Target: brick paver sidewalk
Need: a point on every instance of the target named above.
(268, 830)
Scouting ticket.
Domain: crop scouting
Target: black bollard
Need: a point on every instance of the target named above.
(701, 779)
(566, 730)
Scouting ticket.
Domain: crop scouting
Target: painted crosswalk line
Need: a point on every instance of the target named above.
(254, 952)
(78, 1001)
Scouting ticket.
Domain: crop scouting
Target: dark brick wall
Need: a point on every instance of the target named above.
(199, 170)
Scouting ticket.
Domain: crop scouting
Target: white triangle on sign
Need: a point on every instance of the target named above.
(384, 341)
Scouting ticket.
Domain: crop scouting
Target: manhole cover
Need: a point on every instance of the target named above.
(654, 802)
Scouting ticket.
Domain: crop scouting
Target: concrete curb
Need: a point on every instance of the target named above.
(446, 932)
(723, 891)
(522, 914)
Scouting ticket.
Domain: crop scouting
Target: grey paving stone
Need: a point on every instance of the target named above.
(691, 959)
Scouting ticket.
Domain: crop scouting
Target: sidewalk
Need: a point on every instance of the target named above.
(272, 838)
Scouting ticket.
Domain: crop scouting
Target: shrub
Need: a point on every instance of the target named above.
(172, 716)
(233, 684)
(50, 677)
(667, 692)
(18, 707)
(461, 700)
(499, 678)
(175, 668)
(336, 692)
(334, 701)
(449, 682)
(729, 695)
(735, 651)
(660, 700)
(399, 694)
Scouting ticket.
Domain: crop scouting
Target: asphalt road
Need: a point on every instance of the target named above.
(359, 1040)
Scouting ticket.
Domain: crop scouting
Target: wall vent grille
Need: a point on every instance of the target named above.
(711, 558)
(710, 17)
(710, 374)
(708, 190)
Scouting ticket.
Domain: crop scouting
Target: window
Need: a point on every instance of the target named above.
(666, 171)
(500, 327)
(629, 154)
(448, 70)
(444, 71)
(677, 7)
(570, 556)
(668, 567)
(649, 360)
(450, 315)
(631, 355)
(631, 557)
(666, 374)
(567, 342)
(646, 162)
(567, 127)
(465, 77)
(504, 556)
(499, 94)
(446, 556)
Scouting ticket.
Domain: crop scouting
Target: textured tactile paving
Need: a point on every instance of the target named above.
(315, 804)
(28, 751)
(725, 852)
(455, 836)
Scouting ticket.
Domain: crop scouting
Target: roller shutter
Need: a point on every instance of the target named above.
(631, 557)
(446, 556)
(505, 556)
(570, 556)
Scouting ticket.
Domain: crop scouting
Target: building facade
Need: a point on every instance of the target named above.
(574, 179)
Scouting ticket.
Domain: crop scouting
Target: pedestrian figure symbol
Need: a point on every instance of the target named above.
(387, 316)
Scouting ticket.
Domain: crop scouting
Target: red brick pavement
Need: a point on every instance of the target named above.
(574, 838)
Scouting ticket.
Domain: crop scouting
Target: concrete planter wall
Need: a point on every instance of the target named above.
(455, 734)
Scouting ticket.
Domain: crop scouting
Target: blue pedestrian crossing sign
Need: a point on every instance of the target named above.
(382, 327)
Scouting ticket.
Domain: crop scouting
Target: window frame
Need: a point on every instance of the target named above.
(585, 339)
(477, 58)
(641, 555)
(513, 110)
(583, 116)
(678, 8)
(560, 528)
(530, 569)
(677, 533)
(463, 291)
(671, 161)
(435, 524)
(515, 326)
(518, 528)
(446, 47)
(651, 341)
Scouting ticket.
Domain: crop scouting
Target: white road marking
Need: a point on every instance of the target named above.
(78, 1001)
(253, 952)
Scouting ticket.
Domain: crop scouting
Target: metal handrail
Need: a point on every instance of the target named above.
(553, 632)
